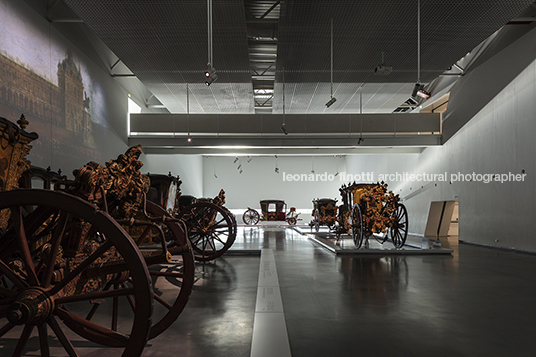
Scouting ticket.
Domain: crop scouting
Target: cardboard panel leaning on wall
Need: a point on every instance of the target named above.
(74, 105)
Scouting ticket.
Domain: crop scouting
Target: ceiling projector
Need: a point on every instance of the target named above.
(383, 70)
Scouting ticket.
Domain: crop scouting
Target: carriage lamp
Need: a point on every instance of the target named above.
(330, 102)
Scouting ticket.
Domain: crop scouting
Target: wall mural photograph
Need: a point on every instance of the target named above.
(49, 81)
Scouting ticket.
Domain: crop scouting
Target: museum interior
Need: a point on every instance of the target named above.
(267, 178)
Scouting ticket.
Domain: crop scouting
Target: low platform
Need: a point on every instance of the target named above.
(345, 245)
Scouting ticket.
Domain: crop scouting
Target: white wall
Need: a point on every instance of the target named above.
(383, 167)
(498, 140)
(259, 180)
(188, 167)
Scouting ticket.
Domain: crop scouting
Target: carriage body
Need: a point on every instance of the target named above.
(272, 210)
(325, 212)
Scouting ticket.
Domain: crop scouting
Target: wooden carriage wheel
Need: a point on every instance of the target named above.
(251, 217)
(210, 229)
(43, 287)
(169, 299)
(357, 226)
(399, 229)
(316, 220)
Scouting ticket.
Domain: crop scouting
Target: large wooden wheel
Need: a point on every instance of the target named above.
(210, 229)
(316, 220)
(357, 226)
(251, 217)
(399, 229)
(169, 299)
(49, 278)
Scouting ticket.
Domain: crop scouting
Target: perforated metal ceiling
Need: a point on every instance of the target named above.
(165, 44)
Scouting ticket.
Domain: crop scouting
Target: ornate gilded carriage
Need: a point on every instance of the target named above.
(324, 213)
(369, 210)
(65, 255)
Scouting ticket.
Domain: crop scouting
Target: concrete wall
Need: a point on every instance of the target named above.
(259, 180)
(499, 139)
(188, 167)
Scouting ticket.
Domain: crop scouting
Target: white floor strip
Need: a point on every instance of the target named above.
(270, 336)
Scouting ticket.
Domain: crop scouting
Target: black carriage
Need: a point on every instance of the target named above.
(211, 227)
(369, 210)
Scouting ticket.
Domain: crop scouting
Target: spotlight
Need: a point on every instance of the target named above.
(423, 94)
(211, 79)
(210, 71)
(284, 129)
(360, 141)
(330, 102)
(417, 88)
(235, 160)
(249, 159)
(277, 170)
(189, 139)
(383, 70)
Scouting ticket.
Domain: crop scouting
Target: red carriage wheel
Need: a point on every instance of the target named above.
(251, 217)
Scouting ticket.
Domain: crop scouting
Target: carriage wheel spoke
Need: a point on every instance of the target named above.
(129, 298)
(83, 265)
(61, 337)
(16, 214)
(57, 237)
(6, 328)
(95, 295)
(115, 311)
(70, 318)
(11, 275)
(163, 302)
(43, 340)
(23, 340)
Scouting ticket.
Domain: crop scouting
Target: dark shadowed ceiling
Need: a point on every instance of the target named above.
(260, 47)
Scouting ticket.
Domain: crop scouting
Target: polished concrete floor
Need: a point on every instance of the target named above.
(474, 302)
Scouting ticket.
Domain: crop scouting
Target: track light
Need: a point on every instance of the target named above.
(211, 78)
(416, 89)
(249, 159)
(210, 71)
(423, 94)
(330, 102)
(235, 160)
(284, 129)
